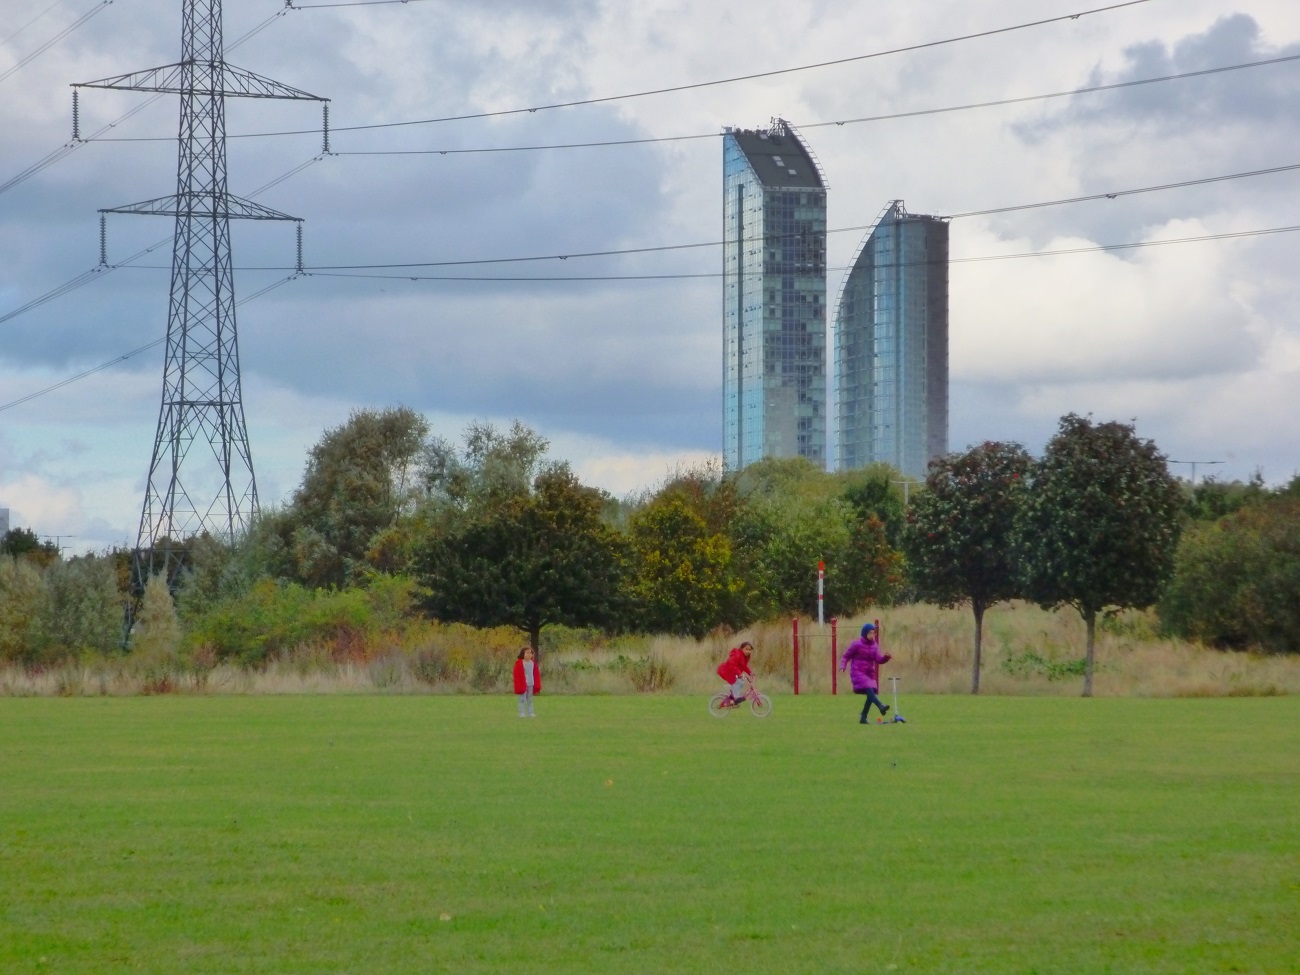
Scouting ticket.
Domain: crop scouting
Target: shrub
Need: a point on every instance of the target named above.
(275, 617)
(1032, 664)
(1236, 581)
(651, 673)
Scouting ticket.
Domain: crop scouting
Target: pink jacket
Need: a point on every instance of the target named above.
(866, 659)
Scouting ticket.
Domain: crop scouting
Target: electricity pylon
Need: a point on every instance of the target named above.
(213, 489)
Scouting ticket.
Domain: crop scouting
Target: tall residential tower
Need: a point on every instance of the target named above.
(774, 297)
(891, 346)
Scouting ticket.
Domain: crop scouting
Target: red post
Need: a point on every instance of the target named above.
(796, 654)
(834, 680)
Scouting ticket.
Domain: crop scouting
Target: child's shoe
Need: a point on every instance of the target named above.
(884, 710)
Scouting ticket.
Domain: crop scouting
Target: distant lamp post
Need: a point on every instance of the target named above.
(1193, 464)
(58, 542)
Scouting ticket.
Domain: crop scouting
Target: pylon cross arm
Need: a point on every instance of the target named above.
(234, 83)
(203, 205)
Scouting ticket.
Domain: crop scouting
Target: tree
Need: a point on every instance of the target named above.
(492, 467)
(1236, 581)
(25, 542)
(83, 610)
(1212, 499)
(874, 490)
(360, 478)
(680, 579)
(960, 531)
(156, 632)
(1100, 524)
(22, 594)
(525, 559)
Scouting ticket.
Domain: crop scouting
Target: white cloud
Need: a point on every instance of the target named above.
(1156, 313)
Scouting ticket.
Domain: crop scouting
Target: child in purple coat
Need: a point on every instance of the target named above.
(866, 658)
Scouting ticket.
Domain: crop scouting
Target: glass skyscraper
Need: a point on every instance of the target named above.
(891, 346)
(774, 298)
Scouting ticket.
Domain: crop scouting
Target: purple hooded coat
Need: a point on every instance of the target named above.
(865, 659)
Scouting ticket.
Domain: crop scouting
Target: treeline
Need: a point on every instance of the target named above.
(391, 526)
(1098, 523)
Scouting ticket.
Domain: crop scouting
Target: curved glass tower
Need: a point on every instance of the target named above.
(891, 346)
(774, 298)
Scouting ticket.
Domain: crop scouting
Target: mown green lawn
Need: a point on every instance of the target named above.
(636, 834)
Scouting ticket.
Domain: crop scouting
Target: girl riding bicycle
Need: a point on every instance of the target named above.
(733, 671)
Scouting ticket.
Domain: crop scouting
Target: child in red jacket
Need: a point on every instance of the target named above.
(732, 670)
(528, 681)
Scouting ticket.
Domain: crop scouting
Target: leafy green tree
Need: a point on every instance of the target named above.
(960, 530)
(526, 559)
(874, 491)
(1100, 525)
(25, 543)
(22, 595)
(83, 610)
(680, 578)
(778, 540)
(360, 478)
(492, 467)
(1236, 581)
(1212, 499)
(873, 572)
(156, 631)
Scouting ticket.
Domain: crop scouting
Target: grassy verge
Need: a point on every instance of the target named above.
(1027, 651)
(636, 834)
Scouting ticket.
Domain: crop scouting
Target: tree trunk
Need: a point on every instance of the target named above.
(978, 608)
(1089, 618)
(535, 635)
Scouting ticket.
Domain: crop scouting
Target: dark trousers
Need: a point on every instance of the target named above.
(871, 699)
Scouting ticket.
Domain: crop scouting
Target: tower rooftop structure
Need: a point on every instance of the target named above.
(779, 158)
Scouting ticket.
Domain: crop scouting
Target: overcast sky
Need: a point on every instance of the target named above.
(1198, 342)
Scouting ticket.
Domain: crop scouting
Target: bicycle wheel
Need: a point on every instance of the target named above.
(761, 705)
(716, 705)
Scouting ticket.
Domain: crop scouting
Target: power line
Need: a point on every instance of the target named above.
(398, 277)
(839, 230)
(649, 140)
(70, 147)
(93, 274)
(1096, 248)
(747, 77)
(29, 23)
(54, 40)
(353, 3)
(330, 272)
(97, 272)
(126, 355)
(1115, 194)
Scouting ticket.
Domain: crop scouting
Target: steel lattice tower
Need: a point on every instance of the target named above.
(201, 473)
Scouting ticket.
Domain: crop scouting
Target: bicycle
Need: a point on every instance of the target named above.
(721, 704)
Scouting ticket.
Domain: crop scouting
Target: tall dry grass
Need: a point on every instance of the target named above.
(1027, 651)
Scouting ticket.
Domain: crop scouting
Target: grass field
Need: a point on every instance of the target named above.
(393, 834)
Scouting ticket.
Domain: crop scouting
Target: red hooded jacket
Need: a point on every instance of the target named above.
(735, 665)
(520, 686)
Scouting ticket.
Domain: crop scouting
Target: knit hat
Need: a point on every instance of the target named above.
(867, 628)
